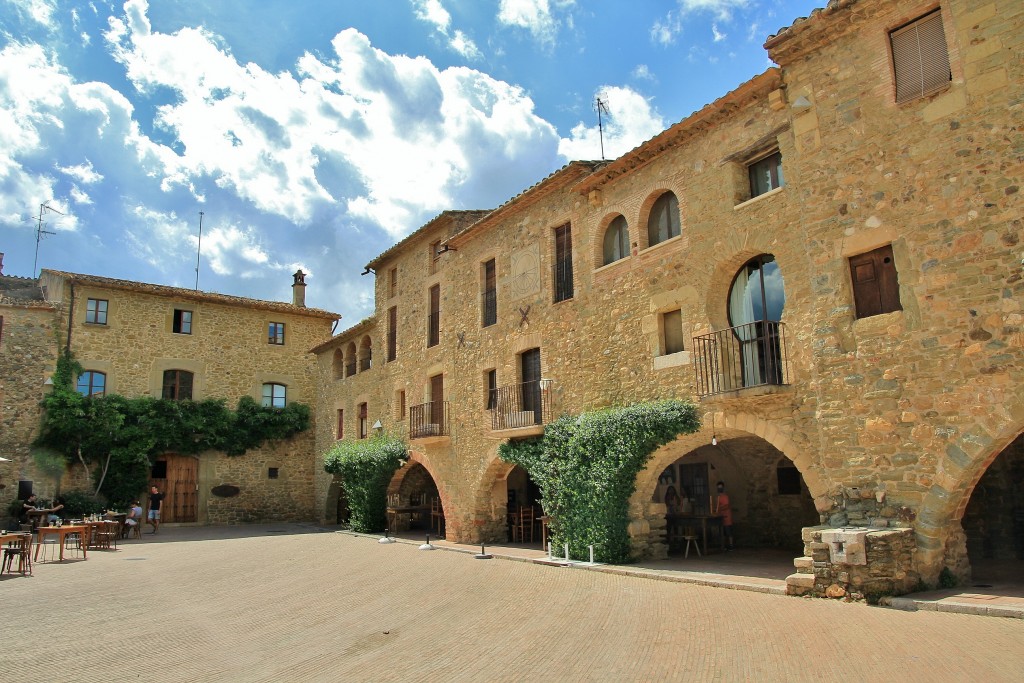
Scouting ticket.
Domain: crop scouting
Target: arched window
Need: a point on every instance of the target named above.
(274, 395)
(177, 385)
(616, 241)
(663, 223)
(92, 383)
(756, 300)
(338, 364)
(350, 359)
(365, 353)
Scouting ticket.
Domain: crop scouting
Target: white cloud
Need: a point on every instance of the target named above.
(643, 73)
(434, 13)
(631, 121)
(79, 196)
(40, 11)
(720, 8)
(83, 173)
(717, 35)
(664, 31)
(533, 15)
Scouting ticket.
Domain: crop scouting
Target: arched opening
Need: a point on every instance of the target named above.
(524, 508)
(764, 495)
(365, 354)
(993, 521)
(663, 220)
(757, 298)
(350, 359)
(616, 241)
(414, 502)
(338, 364)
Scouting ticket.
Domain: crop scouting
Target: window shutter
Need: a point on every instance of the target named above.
(920, 58)
(876, 287)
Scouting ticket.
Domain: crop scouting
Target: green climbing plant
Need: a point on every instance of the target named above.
(366, 467)
(116, 438)
(586, 468)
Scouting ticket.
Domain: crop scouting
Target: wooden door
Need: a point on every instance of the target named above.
(531, 384)
(180, 486)
(437, 401)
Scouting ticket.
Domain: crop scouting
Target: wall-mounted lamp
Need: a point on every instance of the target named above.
(800, 104)
(368, 271)
(445, 248)
(48, 382)
(377, 426)
(714, 438)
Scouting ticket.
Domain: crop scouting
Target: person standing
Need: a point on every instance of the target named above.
(155, 498)
(723, 507)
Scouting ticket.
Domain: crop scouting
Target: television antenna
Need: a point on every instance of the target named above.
(199, 248)
(43, 208)
(602, 108)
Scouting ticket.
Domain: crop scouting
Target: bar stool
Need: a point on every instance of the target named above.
(690, 537)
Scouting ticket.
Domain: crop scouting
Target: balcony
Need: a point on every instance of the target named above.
(350, 368)
(522, 406)
(429, 420)
(740, 358)
(364, 364)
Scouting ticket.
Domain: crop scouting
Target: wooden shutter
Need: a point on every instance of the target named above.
(919, 57)
(437, 399)
(341, 423)
(392, 333)
(672, 322)
(876, 287)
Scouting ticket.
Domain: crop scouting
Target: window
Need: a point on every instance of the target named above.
(275, 334)
(392, 333)
(616, 241)
(434, 319)
(920, 59)
(91, 383)
(672, 329)
(273, 472)
(400, 404)
(274, 395)
(788, 478)
(491, 378)
(341, 424)
(490, 302)
(182, 321)
(363, 412)
(350, 359)
(365, 354)
(435, 257)
(563, 263)
(96, 311)
(876, 286)
(663, 223)
(393, 282)
(338, 364)
(765, 174)
(177, 385)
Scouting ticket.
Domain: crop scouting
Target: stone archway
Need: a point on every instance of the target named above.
(490, 501)
(419, 460)
(647, 517)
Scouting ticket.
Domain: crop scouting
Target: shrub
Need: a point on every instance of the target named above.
(366, 467)
(586, 469)
(80, 504)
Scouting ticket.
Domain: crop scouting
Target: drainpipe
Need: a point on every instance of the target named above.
(71, 317)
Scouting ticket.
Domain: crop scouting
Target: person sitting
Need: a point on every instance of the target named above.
(28, 505)
(57, 510)
(134, 517)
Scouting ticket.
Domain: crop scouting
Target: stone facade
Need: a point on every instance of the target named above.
(226, 347)
(891, 419)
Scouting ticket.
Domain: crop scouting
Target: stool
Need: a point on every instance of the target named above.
(690, 537)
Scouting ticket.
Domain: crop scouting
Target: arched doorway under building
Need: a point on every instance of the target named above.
(769, 501)
(414, 503)
(524, 509)
(993, 521)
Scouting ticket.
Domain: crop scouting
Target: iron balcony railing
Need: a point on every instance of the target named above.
(522, 405)
(562, 275)
(490, 308)
(750, 355)
(428, 419)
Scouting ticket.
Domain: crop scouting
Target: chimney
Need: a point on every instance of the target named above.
(299, 289)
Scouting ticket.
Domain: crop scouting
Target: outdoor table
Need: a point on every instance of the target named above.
(394, 511)
(61, 532)
(703, 520)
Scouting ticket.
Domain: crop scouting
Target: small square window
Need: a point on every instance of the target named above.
(672, 331)
(182, 321)
(920, 58)
(765, 174)
(876, 284)
(275, 334)
(272, 473)
(274, 395)
(96, 311)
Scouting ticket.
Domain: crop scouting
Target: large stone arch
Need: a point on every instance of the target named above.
(644, 514)
(490, 504)
(941, 542)
(417, 457)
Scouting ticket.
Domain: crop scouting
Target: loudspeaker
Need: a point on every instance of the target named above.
(24, 489)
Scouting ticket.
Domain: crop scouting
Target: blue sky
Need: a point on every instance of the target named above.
(314, 135)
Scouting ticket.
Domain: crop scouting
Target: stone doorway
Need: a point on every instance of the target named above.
(414, 502)
(770, 501)
(993, 521)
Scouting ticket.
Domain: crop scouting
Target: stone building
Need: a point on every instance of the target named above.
(138, 339)
(827, 259)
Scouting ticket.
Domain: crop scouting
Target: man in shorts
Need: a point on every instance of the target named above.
(155, 498)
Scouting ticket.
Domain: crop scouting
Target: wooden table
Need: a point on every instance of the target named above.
(394, 511)
(62, 532)
(703, 520)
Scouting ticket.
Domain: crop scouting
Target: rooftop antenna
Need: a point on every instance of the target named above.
(199, 248)
(602, 108)
(43, 208)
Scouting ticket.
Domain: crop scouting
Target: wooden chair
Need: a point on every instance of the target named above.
(134, 530)
(437, 516)
(21, 549)
(526, 520)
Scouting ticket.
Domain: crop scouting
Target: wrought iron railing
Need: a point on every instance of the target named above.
(749, 355)
(522, 405)
(434, 329)
(428, 419)
(490, 307)
(562, 275)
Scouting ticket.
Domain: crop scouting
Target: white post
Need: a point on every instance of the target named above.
(549, 550)
(591, 554)
(566, 552)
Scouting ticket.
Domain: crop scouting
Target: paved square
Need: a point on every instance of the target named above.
(284, 603)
